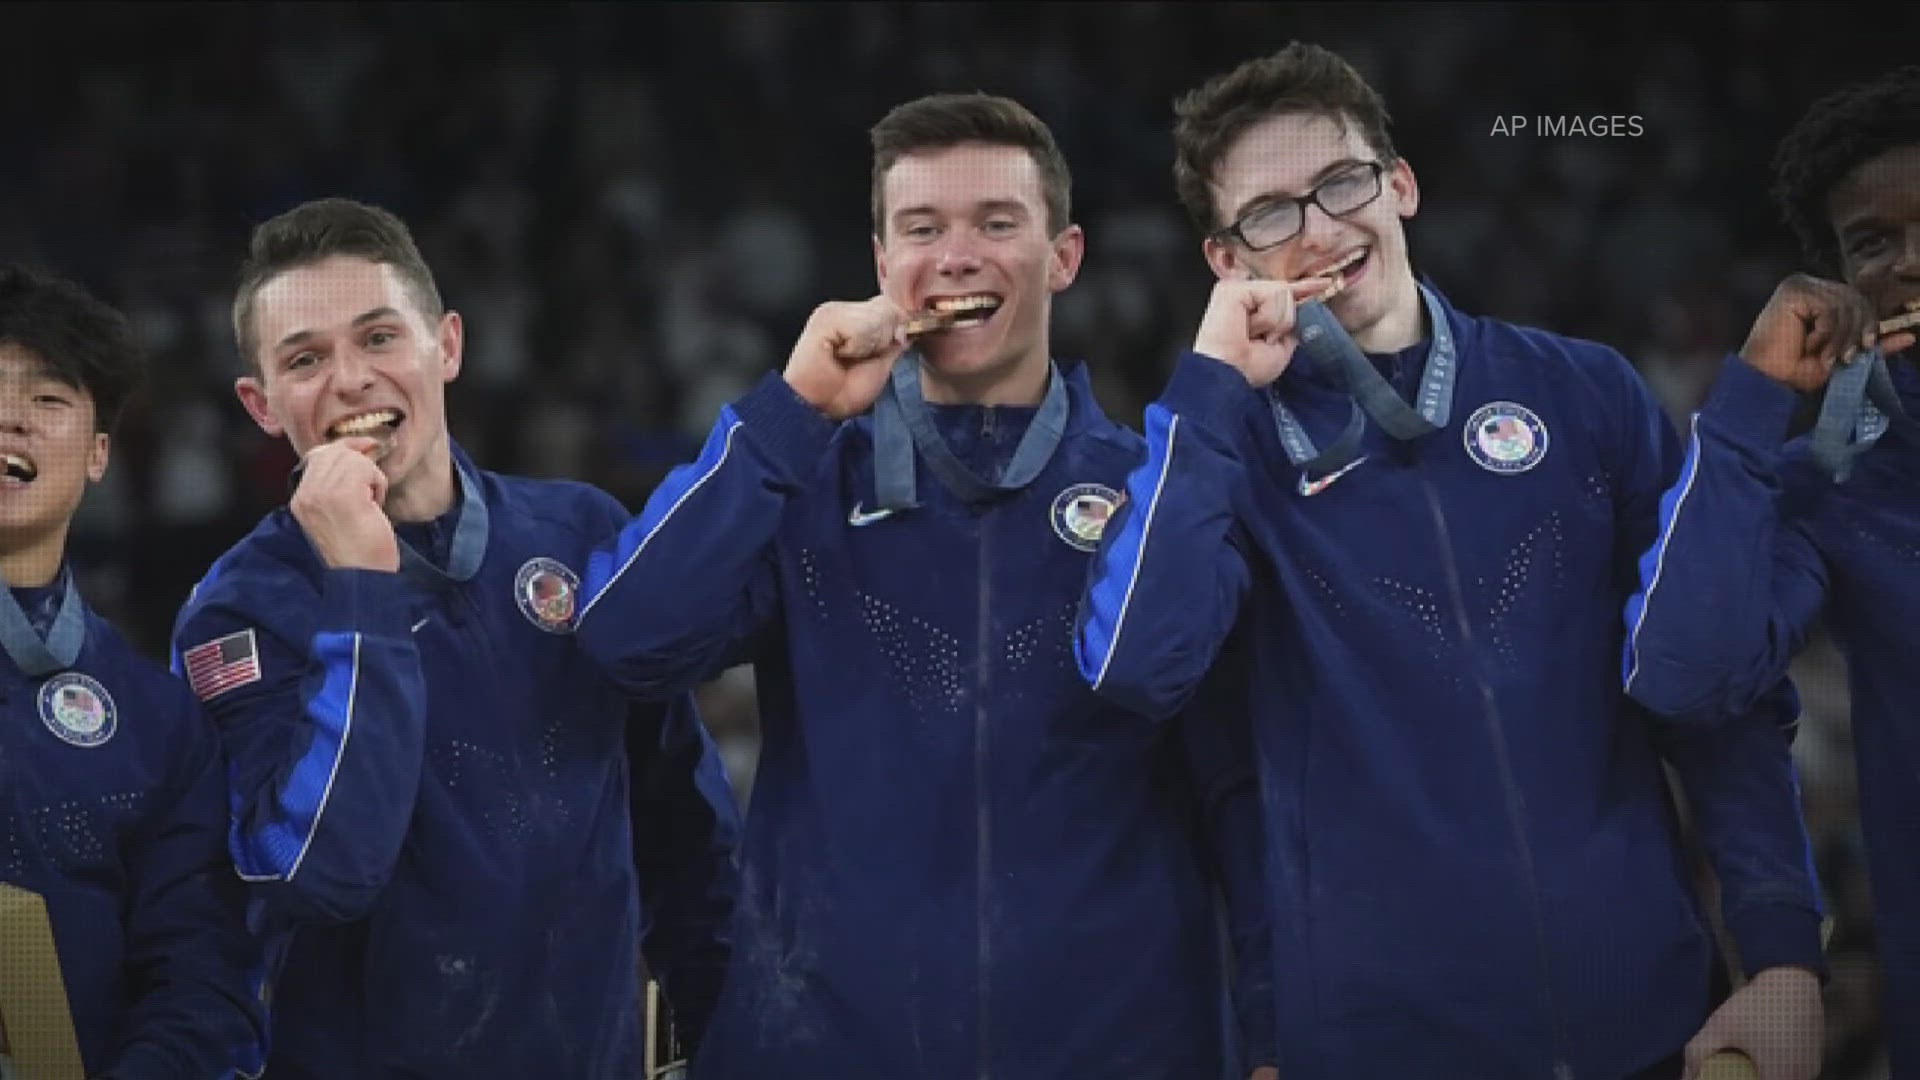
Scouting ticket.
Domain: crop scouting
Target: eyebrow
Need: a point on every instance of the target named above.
(299, 336)
(988, 206)
(1273, 194)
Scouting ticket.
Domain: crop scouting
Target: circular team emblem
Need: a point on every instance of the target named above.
(1505, 438)
(546, 591)
(1080, 514)
(77, 708)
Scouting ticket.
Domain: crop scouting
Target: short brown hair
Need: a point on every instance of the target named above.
(939, 121)
(1300, 78)
(318, 230)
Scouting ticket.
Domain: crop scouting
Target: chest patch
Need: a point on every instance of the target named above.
(77, 709)
(546, 592)
(1080, 514)
(1504, 437)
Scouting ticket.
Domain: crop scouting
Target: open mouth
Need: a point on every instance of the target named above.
(1343, 270)
(972, 309)
(20, 468)
(378, 424)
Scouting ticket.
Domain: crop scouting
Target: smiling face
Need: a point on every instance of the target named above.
(49, 448)
(966, 232)
(1875, 211)
(342, 348)
(1287, 156)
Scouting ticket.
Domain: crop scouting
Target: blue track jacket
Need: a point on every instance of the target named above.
(1755, 545)
(113, 809)
(1475, 868)
(441, 801)
(958, 861)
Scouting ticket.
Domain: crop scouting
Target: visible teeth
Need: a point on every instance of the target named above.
(1347, 263)
(19, 466)
(965, 303)
(366, 422)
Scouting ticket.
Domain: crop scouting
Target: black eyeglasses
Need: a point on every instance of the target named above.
(1280, 220)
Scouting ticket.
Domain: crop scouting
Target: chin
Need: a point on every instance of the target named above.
(956, 363)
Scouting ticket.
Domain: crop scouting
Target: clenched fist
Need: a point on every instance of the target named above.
(845, 354)
(1777, 1020)
(339, 506)
(1808, 325)
(1249, 324)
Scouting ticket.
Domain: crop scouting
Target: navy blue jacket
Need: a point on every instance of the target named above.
(1474, 862)
(958, 860)
(113, 809)
(441, 801)
(1756, 544)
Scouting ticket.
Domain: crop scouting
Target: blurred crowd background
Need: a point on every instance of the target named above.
(635, 206)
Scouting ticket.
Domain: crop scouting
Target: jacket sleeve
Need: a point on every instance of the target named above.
(1731, 753)
(1729, 582)
(685, 832)
(321, 703)
(189, 957)
(679, 593)
(1740, 783)
(1219, 744)
(1167, 580)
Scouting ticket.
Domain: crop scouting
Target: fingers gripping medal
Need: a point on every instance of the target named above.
(1860, 403)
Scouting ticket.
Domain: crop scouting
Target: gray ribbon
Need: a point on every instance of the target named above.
(61, 647)
(1327, 345)
(469, 545)
(1861, 404)
(902, 422)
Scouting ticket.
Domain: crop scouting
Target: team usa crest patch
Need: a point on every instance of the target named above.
(547, 592)
(1505, 438)
(77, 709)
(1080, 514)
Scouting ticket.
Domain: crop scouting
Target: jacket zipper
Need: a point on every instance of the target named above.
(982, 801)
(1515, 805)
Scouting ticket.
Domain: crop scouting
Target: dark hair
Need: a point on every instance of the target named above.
(318, 230)
(1300, 78)
(1841, 131)
(82, 341)
(939, 121)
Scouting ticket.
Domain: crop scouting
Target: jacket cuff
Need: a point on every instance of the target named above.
(1750, 407)
(791, 433)
(365, 601)
(1778, 935)
(1211, 393)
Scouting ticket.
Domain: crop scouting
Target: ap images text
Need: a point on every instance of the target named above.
(1580, 126)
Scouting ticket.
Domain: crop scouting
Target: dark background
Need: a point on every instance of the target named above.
(635, 206)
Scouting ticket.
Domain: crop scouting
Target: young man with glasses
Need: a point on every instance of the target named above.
(1421, 526)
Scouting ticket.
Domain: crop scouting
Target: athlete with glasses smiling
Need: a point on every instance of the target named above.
(1415, 529)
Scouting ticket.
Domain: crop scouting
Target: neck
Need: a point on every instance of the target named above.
(428, 493)
(1023, 383)
(35, 562)
(1402, 327)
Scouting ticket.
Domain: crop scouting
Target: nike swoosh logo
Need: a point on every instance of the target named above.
(1315, 487)
(421, 623)
(859, 518)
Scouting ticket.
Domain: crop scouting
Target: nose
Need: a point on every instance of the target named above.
(958, 257)
(352, 370)
(1318, 230)
(1907, 263)
(15, 412)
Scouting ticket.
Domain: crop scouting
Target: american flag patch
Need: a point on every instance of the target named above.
(222, 664)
